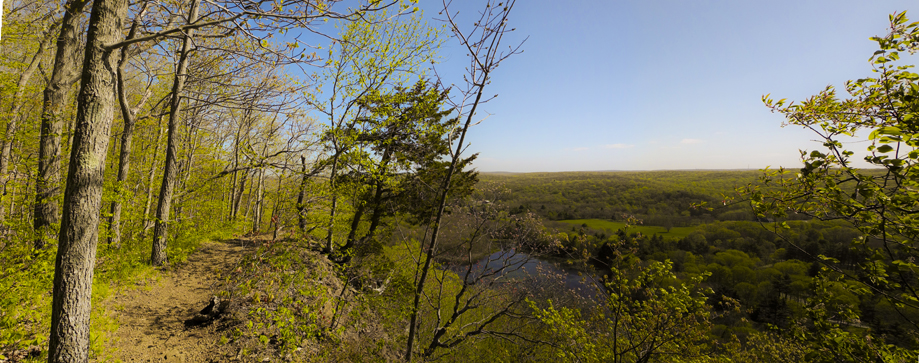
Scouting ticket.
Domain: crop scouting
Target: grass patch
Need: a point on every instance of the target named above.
(613, 226)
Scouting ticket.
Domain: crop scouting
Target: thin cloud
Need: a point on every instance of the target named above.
(581, 148)
(617, 146)
(691, 141)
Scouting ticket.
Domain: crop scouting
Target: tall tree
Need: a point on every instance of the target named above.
(129, 117)
(371, 54)
(146, 222)
(402, 132)
(63, 75)
(483, 45)
(73, 273)
(163, 208)
(16, 116)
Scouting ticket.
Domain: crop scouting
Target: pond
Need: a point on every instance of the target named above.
(520, 267)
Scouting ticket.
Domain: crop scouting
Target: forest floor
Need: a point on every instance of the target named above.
(152, 317)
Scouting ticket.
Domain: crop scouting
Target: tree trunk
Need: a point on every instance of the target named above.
(435, 228)
(257, 212)
(186, 168)
(76, 254)
(260, 194)
(231, 199)
(124, 158)
(239, 195)
(124, 164)
(47, 181)
(328, 243)
(229, 192)
(301, 197)
(378, 197)
(236, 194)
(224, 197)
(11, 190)
(193, 139)
(233, 183)
(158, 254)
(355, 223)
(249, 200)
(377, 211)
(359, 212)
(12, 125)
(146, 225)
(275, 210)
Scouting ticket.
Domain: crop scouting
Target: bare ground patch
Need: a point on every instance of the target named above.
(152, 317)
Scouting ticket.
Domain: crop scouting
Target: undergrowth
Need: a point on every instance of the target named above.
(290, 302)
(283, 301)
(27, 276)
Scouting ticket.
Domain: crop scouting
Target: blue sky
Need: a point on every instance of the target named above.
(647, 85)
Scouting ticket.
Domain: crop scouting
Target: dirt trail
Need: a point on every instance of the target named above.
(151, 318)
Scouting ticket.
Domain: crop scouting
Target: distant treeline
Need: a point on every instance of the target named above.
(656, 197)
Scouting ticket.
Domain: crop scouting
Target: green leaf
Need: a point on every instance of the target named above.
(889, 130)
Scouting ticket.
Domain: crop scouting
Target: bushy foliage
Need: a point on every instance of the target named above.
(645, 315)
(872, 263)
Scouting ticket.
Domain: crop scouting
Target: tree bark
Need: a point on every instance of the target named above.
(47, 181)
(186, 168)
(377, 211)
(235, 181)
(301, 197)
(128, 114)
(359, 212)
(76, 254)
(275, 210)
(257, 212)
(160, 229)
(236, 194)
(355, 223)
(378, 198)
(249, 200)
(239, 195)
(231, 200)
(12, 125)
(146, 225)
(328, 244)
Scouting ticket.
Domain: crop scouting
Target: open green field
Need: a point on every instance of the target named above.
(613, 226)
